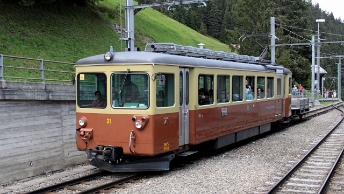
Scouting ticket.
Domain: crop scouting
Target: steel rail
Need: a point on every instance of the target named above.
(71, 182)
(111, 184)
(326, 183)
(276, 186)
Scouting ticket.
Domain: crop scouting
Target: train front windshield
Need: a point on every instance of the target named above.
(128, 90)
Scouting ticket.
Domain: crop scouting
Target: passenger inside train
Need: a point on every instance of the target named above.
(260, 94)
(249, 93)
(203, 98)
(222, 97)
(131, 90)
(249, 88)
(99, 101)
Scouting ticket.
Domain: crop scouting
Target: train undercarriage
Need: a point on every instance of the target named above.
(112, 159)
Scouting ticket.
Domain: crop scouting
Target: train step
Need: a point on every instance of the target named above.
(187, 153)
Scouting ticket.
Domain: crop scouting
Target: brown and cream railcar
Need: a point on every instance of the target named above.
(152, 106)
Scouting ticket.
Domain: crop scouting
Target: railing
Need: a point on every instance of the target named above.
(313, 95)
(35, 70)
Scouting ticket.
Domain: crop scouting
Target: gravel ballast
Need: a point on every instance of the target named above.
(250, 168)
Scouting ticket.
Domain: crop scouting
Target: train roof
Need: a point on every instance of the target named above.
(144, 57)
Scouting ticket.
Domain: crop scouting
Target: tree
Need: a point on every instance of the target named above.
(214, 19)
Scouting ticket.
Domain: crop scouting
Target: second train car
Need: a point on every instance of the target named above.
(136, 111)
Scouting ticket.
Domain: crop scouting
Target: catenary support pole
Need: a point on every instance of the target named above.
(313, 66)
(339, 90)
(273, 38)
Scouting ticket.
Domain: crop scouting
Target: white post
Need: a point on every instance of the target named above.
(313, 66)
(318, 59)
(129, 25)
(339, 90)
(1, 67)
(273, 42)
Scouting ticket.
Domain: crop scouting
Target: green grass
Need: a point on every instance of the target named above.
(163, 29)
(70, 33)
(61, 34)
(328, 102)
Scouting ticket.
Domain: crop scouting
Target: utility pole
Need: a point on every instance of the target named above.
(129, 25)
(318, 53)
(273, 37)
(312, 43)
(313, 65)
(129, 17)
(339, 91)
(339, 64)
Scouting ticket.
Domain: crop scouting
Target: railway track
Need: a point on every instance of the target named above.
(312, 174)
(324, 109)
(101, 182)
(106, 181)
(337, 184)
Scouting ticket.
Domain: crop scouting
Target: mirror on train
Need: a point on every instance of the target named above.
(157, 75)
(162, 80)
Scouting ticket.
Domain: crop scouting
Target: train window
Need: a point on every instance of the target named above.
(249, 87)
(205, 89)
(181, 87)
(91, 90)
(237, 88)
(260, 87)
(164, 85)
(290, 84)
(270, 87)
(223, 82)
(187, 87)
(130, 90)
(279, 86)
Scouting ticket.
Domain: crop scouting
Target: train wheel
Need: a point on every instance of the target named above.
(300, 116)
(288, 121)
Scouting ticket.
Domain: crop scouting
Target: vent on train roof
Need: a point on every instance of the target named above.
(174, 49)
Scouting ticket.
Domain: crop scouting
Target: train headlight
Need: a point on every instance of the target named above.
(108, 56)
(138, 124)
(82, 122)
(140, 121)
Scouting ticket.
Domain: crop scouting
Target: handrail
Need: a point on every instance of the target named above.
(46, 70)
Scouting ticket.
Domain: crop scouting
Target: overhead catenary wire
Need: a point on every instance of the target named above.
(309, 30)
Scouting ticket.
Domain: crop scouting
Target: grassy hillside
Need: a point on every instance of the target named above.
(54, 33)
(164, 29)
(70, 33)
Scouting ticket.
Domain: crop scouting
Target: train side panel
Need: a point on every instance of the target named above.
(210, 123)
(215, 120)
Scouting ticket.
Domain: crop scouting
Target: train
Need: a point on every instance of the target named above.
(138, 110)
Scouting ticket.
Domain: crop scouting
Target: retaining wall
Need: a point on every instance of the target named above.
(37, 127)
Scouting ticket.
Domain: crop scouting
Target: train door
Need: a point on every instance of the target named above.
(183, 106)
(280, 92)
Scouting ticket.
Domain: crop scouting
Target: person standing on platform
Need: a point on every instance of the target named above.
(301, 90)
(325, 93)
(294, 91)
